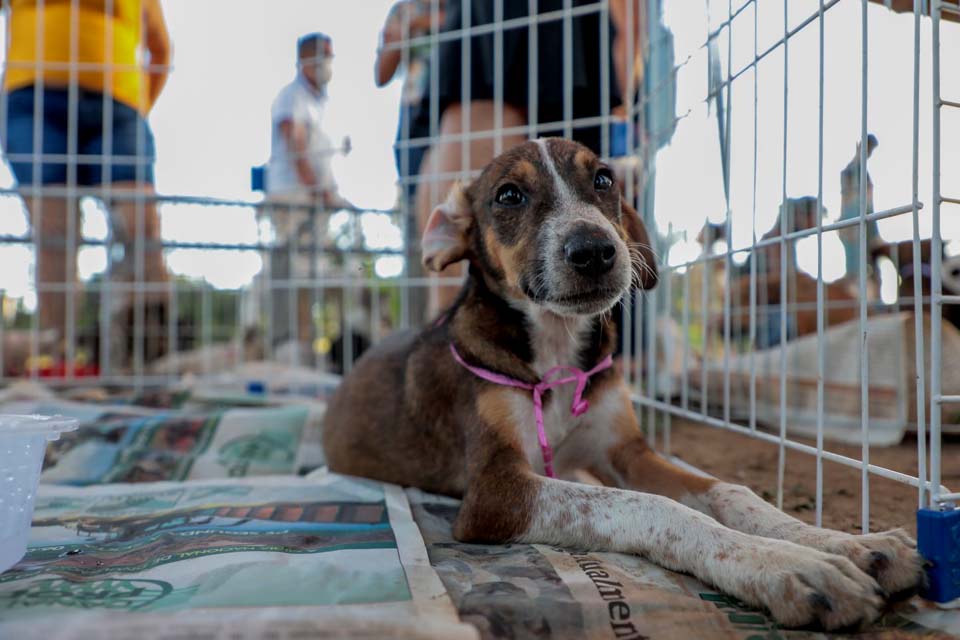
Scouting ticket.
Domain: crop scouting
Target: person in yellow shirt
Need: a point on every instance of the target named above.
(80, 78)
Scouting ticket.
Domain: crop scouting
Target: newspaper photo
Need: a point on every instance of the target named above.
(326, 556)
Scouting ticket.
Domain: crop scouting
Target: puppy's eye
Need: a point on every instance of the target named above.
(509, 195)
(603, 180)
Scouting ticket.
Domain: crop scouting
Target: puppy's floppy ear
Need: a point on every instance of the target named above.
(640, 248)
(445, 240)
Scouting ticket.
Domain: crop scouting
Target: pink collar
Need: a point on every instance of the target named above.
(577, 409)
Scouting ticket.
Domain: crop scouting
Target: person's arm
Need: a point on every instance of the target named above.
(389, 59)
(628, 70)
(295, 135)
(158, 44)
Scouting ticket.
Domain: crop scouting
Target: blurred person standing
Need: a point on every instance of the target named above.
(556, 102)
(300, 151)
(406, 20)
(796, 214)
(81, 77)
(300, 184)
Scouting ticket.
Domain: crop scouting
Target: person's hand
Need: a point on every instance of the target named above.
(393, 29)
(331, 200)
(392, 32)
(418, 23)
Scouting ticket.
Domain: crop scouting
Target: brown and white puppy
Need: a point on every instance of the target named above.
(551, 248)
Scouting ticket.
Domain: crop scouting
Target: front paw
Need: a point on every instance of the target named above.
(891, 556)
(805, 587)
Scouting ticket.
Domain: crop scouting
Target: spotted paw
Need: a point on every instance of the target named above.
(804, 587)
(890, 557)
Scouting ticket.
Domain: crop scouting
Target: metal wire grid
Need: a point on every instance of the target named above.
(643, 314)
(35, 198)
(205, 329)
(109, 289)
(931, 493)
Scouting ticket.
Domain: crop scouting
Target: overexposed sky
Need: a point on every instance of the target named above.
(213, 121)
(232, 56)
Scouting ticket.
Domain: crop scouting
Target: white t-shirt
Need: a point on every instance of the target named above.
(299, 103)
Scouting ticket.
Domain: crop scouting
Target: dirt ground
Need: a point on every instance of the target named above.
(752, 462)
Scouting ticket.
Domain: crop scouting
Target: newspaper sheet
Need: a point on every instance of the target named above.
(323, 557)
(118, 443)
(537, 591)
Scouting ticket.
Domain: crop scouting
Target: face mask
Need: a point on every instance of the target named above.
(324, 72)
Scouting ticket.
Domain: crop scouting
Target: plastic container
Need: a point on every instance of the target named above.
(23, 441)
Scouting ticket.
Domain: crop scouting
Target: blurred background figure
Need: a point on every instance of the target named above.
(300, 150)
(850, 210)
(801, 214)
(79, 84)
(300, 185)
(586, 98)
(796, 214)
(407, 20)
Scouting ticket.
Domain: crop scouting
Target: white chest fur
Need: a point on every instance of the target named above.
(555, 341)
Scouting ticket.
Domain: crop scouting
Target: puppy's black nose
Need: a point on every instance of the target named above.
(590, 255)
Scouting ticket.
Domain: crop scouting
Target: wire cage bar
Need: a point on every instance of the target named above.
(737, 337)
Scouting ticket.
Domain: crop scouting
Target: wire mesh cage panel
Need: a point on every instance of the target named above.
(770, 348)
(787, 158)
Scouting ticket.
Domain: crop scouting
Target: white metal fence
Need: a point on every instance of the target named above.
(726, 340)
(713, 404)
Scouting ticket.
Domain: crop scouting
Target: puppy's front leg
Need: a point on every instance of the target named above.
(506, 502)
(890, 557)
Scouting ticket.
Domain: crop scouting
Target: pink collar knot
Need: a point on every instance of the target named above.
(553, 378)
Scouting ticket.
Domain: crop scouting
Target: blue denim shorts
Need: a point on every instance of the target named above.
(129, 158)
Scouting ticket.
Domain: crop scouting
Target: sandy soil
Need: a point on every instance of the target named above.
(752, 462)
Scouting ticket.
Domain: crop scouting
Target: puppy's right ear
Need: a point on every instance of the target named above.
(445, 240)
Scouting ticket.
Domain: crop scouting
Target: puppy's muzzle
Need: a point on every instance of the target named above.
(590, 252)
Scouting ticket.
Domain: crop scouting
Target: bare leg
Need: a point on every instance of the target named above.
(137, 225)
(445, 159)
(139, 219)
(56, 259)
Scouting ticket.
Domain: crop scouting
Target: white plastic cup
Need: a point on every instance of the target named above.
(23, 441)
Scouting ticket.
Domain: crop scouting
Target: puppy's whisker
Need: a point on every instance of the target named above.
(539, 284)
(639, 263)
(639, 267)
(607, 315)
(642, 245)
